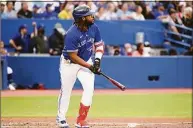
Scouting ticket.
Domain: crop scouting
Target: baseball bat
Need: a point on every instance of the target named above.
(114, 82)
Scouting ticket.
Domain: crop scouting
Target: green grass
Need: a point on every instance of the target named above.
(132, 105)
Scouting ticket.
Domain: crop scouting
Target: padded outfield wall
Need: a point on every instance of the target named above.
(134, 72)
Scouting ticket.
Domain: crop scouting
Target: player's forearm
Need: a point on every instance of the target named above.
(99, 50)
(76, 59)
(13, 44)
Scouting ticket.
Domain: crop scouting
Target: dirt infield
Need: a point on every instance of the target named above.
(99, 123)
(40, 122)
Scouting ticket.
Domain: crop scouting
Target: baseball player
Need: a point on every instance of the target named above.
(76, 62)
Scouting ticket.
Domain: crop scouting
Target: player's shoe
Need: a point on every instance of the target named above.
(82, 124)
(63, 124)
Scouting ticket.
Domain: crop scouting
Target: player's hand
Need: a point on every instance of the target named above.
(96, 67)
(19, 48)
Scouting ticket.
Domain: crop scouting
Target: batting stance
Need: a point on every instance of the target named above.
(80, 40)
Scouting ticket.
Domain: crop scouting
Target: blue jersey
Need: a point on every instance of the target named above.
(81, 42)
(22, 41)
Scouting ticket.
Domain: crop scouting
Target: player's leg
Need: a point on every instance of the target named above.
(68, 75)
(86, 78)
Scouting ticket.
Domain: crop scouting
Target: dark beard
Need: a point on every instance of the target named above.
(88, 24)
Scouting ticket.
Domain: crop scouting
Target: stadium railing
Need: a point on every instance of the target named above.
(187, 40)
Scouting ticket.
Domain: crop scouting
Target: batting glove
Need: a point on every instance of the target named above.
(96, 67)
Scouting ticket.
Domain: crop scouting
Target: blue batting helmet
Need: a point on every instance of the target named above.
(81, 11)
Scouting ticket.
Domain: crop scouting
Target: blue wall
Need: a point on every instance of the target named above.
(113, 32)
(174, 72)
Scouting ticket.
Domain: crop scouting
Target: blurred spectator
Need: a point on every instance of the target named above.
(139, 51)
(172, 52)
(100, 13)
(101, 3)
(92, 5)
(24, 12)
(9, 13)
(3, 51)
(110, 50)
(56, 40)
(160, 13)
(20, 42)
(147, 12)
(172, 19)
(18, 4)
(124, 12)
(128, 49)
(137, 14)
(110, 14)
(117, 51)
(189, 52)
(35, 13)
(38, 42)
(66, 13)
(180, 10)
(49, 13)
(147, 51)
(2, 9)
(187, 19)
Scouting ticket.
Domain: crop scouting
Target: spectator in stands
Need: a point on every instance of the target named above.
(2, 8)
(137, 15)
(123, 13)
(101, 3)
(56, 40)
(35, 13)
(66, 13)
(139, 51)
(128, 49)
(172, 52)
(180, 10)
(110, 14)
(24, 12)
(189, 52)
(61, 6)
(187, 19)
(20, 42)
(117, 51)
(49, 13)
(160, 13)
(147, 12)
(172, 20)
(92, 5)
(100, 13)
(3, 51)
(9, 13)
(147, 51)
(38, 42)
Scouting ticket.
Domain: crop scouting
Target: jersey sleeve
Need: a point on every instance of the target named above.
(71, 43)
(15, 38)
(97, 35)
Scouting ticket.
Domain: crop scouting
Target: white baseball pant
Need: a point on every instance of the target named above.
(69, 72)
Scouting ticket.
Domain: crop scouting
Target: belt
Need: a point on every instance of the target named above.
(69, 61)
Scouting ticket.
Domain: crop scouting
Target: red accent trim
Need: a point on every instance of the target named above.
(102, 51)
(99, 44)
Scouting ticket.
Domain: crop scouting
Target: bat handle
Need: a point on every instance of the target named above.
(104, 75)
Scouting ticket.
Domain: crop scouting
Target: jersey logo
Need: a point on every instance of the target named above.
(88, 40)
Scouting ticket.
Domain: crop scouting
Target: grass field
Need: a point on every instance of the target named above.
(128, 105)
